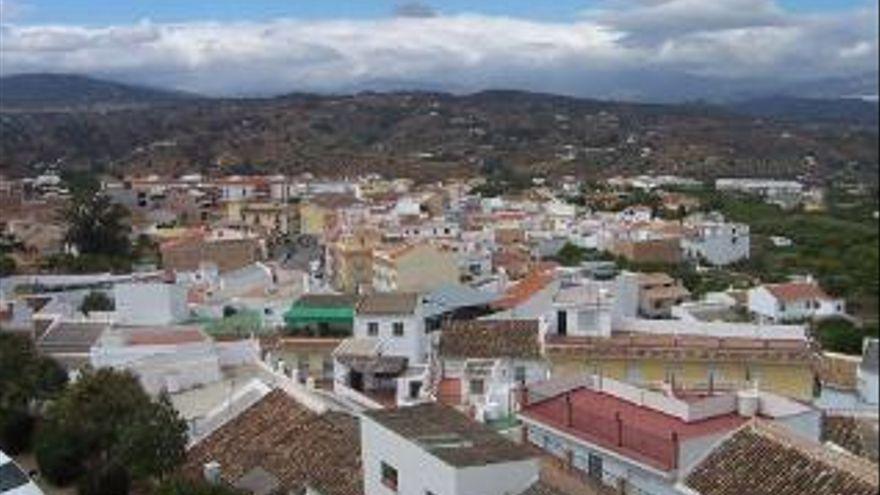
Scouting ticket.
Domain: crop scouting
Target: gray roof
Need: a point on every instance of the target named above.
(71, 337)
(454, 296)
(451, 436)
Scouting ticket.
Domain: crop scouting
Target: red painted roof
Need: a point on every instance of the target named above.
(647, 434)
(797, 291)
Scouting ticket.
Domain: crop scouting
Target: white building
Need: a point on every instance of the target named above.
(431, 449)
(641, 440)
(717, 243)
(485, 363)
(385, 362)
(793, 301)
(150, 303)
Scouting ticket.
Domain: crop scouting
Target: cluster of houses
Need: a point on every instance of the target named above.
(373, 337)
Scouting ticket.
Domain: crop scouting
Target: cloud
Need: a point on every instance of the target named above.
(11, 10)
(604, 51)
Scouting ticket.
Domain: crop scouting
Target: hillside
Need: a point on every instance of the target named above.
(427, 135)
(60, 91)
(840, 110)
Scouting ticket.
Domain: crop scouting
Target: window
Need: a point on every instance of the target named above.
(519, 374)
(397, 328)
(477, 387)
(594, 467)
(373, 329)
(414, 389)
(389, 476)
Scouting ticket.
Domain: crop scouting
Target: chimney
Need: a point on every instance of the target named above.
(212, 472)
(568, 418)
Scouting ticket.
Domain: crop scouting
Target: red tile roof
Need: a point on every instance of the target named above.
(637, 432)
(534, 282)
(169, 336)
(797, 291)
(765, 459)
(295, 445)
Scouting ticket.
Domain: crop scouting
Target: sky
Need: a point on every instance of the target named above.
(232, 47)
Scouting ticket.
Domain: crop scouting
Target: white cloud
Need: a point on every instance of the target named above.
(599, 51)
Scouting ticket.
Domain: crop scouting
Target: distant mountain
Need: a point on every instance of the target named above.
(864, 86)
(839, 110)
(53, 91)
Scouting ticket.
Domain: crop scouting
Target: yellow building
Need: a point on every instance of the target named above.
(781, 367)
(350, 260)
(264, 216)
(320, 213)
(414, 268)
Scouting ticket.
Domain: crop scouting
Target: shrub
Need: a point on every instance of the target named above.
(96, 301)
(111, 479)
(16, 431)
(59, 455)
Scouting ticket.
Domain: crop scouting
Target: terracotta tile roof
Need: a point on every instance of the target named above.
(857, 435)
(434, 427)
(534, 282)
(163, 336)
(517, 339)
(293, 444)
(388, 303)
(797, 291)
(763, 459)
(681, 347)
(540, 488)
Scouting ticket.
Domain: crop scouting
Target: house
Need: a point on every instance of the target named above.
(664, 250)
(531, 297)
(320, 213)
(385, 362)
(191, 252)
(867, 384)
(717, 243)
(778, 358)
(70, 341)
(350, 261)
(432, 449)
(658, 293)
(278, 445)
(765, 459)
(150, 303)
(583, 310)
(484, 363)
(321, 315)
(414, 268)
(641, 440)
(793, 301)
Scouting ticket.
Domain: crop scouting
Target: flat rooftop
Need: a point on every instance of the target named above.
(451, 436)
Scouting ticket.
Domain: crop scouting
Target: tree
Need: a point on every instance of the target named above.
(96, 301)
(25, 375)
(96, 225)
(107, 418)
(7, 265)
(570, 255)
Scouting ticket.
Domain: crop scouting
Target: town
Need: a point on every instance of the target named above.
(374, 335)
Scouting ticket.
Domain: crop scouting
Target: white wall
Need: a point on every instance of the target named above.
(412, 345)
(150, 303)
(420, 472)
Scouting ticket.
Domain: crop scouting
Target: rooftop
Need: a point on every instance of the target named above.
(638, 432)
(518, 339)
(534, 282)
(450, 436)
(71, 337)
(797, 291)
(293, 445)
(764, 459)
(388, 303)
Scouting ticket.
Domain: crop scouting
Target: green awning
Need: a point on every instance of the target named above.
(303, 315)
